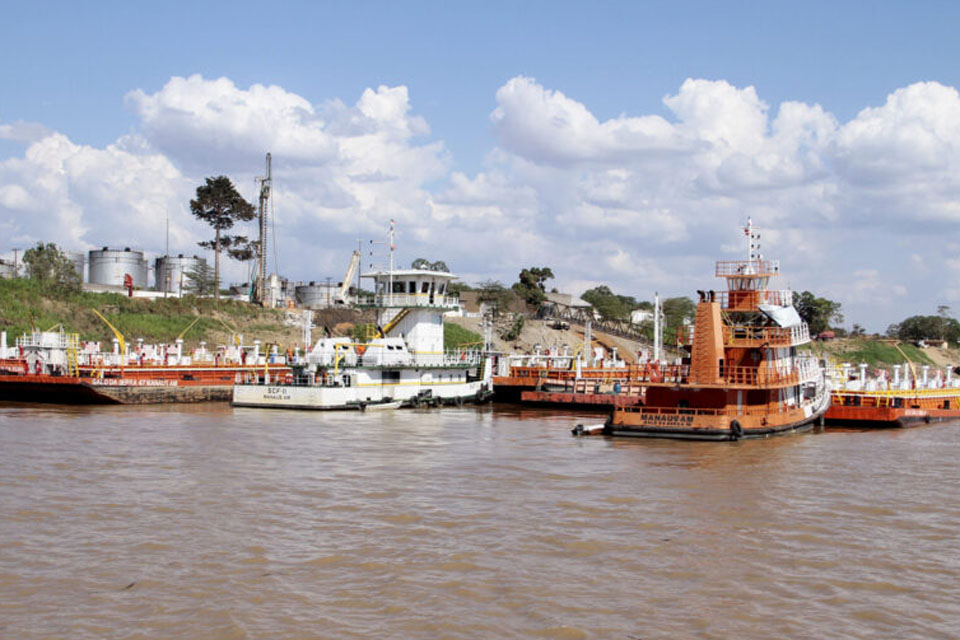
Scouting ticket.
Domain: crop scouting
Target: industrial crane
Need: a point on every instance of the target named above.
(261, 284)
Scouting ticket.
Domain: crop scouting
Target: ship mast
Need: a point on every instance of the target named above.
(392, 247)
(657, 328)
(259, 292)
(753, 242)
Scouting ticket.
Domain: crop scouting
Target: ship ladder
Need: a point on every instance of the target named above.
(73, 345)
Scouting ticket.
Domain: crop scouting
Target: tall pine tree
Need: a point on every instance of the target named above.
(219, 205)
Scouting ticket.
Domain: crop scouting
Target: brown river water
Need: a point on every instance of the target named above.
(213, 523)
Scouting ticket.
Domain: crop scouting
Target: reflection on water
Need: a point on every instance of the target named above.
(203, 521)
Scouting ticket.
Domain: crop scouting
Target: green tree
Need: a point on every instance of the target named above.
(609, 305)
(200, 279)
(926, 328)
(456, 288)
(50, 266)
(494, 294)
(676, 313)
(819, 313)
(531, 285)
(426, 265)
(219, 205)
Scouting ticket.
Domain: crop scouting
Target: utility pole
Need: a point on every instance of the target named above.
(259, 291)
(359, 268)
(657, 328)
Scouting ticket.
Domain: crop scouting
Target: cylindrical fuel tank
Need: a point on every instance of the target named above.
(173, 272)
(108, 266)
(78, 258)
(315, 296)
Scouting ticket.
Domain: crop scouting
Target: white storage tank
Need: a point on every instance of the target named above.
(78, 259)
(173, 272)
(108, 266)
(316, 296)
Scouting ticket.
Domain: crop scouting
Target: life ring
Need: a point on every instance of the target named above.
(361, 349)
(736, 431)
(655, 373)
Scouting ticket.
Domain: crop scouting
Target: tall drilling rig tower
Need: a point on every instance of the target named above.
(261, 283)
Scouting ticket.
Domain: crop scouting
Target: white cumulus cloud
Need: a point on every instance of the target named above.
(641, 202)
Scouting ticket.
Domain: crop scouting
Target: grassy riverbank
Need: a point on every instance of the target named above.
(883, 353)
(25, 304)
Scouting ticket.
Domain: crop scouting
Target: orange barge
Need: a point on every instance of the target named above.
(48, 366)
(881, 403)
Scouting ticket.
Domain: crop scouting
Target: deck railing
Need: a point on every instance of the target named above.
(408, 300)
(744, 336)
(805, 370)
(748, 300)
(727, 268)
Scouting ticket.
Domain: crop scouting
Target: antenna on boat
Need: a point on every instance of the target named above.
(393, 246)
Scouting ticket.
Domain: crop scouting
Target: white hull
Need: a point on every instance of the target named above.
(367, 388)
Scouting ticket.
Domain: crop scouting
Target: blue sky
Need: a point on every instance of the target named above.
(459, 171)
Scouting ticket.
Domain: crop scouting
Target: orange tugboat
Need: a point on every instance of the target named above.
(859, 401)
(742, 377)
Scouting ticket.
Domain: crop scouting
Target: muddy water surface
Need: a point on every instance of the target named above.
(219, 523)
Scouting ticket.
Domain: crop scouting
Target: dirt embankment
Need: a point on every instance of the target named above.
(540, 333)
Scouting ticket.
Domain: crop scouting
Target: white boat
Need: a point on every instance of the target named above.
(406, 363)
(383, 406)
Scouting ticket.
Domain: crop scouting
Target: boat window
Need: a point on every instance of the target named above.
(425, 288)
(398, 287)
(411, 287)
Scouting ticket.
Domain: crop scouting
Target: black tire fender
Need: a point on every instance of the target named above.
(736, 431)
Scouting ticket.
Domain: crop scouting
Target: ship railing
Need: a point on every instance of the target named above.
(409, 300)
(47, 340)
(808, 369)
(726, 268)
(732, 411)
(746, 336)
(803, 370)
(748, 300)
(462, 357)
(651, 372)
(759, 376)
(561, 360)
(654, 373)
